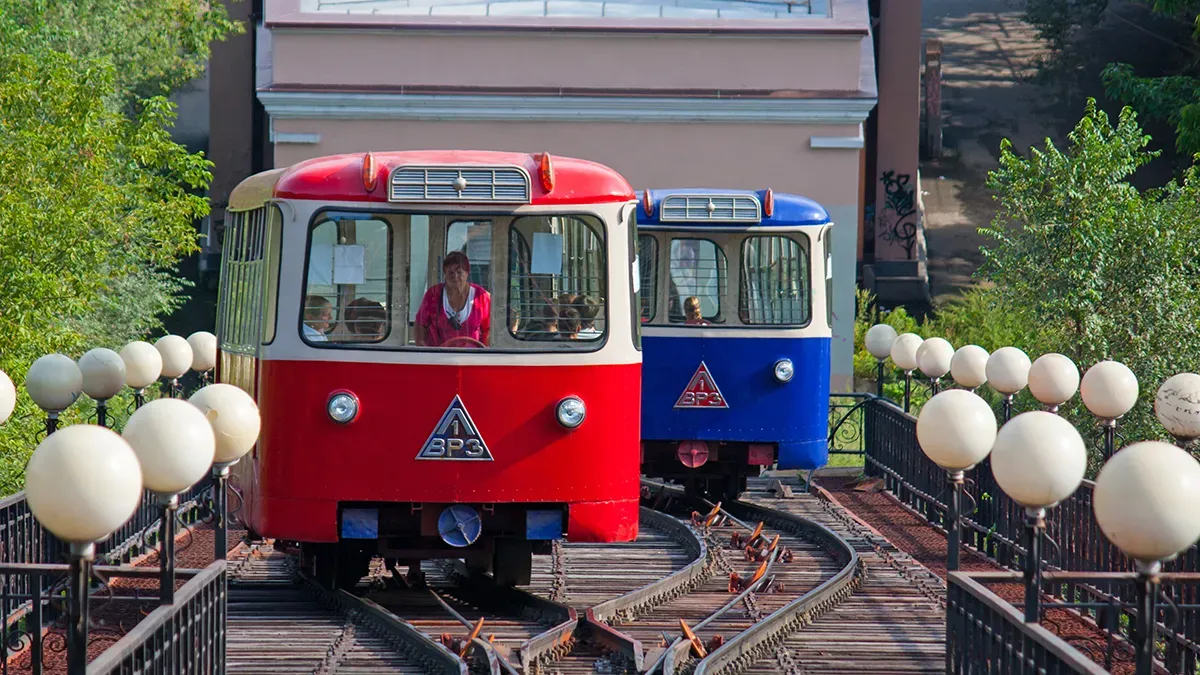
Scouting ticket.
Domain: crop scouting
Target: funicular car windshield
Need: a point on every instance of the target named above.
(772, 271)
(453, 281)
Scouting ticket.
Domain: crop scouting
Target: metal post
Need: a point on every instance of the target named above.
(102, 413)
(1035, 524)
(51, 423)
(954, 520)
(139, 398)
(1110, 438)
(935, 385)
(35, 646)
(1147, 589)
(220, 528)
(879, 377)
(77, 634)
(907, 388)
(1006, 407)
(168, 504)
(173, 388)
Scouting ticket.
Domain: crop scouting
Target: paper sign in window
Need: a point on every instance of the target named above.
(637, 276)
(320, 268)
(547, 253)
(348, 264)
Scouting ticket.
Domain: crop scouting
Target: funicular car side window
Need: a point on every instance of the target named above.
(698, 280)
(647, 255)
(557, 273)
(348, 291)
(775, 281)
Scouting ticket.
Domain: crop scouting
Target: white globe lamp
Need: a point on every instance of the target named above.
(968, 366)
(933, 358)
(904, 355)
(103, 378)
(955, 429)
(1147, 503)
(143, 366)
(8, 397)
(1109, 389)
(174, 443)
(204, 351)
(82, 483)
(176, 358)
(236, 423)
(234, 417)
(1177, 406)
(54, 383)
(1053, 380)
(1007, 371)
(904, 351)
(879, 339)
(1039, 459)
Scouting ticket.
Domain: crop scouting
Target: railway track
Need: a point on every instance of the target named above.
(892, 622)
(280, 621)
(780, 584)
(765, 573)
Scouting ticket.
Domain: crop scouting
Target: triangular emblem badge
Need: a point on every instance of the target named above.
(456, 437)
(702, 391)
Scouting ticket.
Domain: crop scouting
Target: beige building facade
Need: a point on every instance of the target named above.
(671, 93)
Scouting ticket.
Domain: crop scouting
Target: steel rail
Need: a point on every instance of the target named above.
(747, 647)
(543, 647)
(434, 656)
(598, 617)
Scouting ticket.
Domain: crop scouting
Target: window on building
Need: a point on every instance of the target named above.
(775, 281)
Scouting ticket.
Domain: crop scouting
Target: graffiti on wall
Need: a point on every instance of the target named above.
(897, 220)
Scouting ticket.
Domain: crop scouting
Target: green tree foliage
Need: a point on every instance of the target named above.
(98, 203)
(1057, 21)
(156, 46)
(1173, 98)
(1101, 270)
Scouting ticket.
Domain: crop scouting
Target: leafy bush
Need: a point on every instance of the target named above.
(1082, 264)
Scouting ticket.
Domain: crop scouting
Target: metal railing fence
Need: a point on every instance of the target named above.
(993, 525)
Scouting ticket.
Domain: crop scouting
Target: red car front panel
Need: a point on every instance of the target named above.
(306, 463)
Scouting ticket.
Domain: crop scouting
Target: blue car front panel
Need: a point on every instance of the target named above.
(760, 409)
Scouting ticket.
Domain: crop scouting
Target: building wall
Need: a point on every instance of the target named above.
(613, 62)
(649, 155)
(899, 114)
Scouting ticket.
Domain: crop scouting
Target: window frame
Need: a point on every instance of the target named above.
(605, 282)
(805, 247)
(274, 263)
(505, 218)
(315, 222)
(653, 295)
(721, 295)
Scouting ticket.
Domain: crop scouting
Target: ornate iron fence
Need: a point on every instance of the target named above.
(986, 634)
(186, 637)
(993, 525)
(30, 557)
(847, 428)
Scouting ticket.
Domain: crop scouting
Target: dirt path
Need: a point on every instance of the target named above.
(987, 94)
(992, 90)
